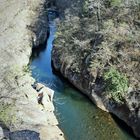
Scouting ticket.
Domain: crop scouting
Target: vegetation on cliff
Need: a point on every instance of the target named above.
(105, 35)
(97, 48)
(116, 84)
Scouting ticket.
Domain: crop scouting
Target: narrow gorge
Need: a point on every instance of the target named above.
(78, 117)
(23, 25)
(92, 44)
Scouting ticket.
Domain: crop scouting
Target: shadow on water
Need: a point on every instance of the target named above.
(37, 50)
(69, 84)
(123, 126)
(78, 118)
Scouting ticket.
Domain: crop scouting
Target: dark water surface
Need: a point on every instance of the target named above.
(78, 118)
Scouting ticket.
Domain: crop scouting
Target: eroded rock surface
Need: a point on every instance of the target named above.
(23, 24)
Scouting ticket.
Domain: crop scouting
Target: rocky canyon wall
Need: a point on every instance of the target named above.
(23, 25)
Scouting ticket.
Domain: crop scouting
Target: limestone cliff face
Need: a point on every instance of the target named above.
(23, 24)
(97, 50)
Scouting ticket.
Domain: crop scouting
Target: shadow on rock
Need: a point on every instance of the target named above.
(4, 131)
(36, 51)
(124, 127)
(24, 135)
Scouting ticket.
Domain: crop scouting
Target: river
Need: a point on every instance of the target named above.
(78, 117)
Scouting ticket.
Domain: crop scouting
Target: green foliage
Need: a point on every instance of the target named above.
(85, 7)
(116, 84)
(116, 2)
(26, 69)
(6, 114)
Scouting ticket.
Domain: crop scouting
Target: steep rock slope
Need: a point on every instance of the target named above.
(97, 48)
(23, 24)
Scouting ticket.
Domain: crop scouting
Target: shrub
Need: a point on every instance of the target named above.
(26, 69)
(116, 2)
(116, 84)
